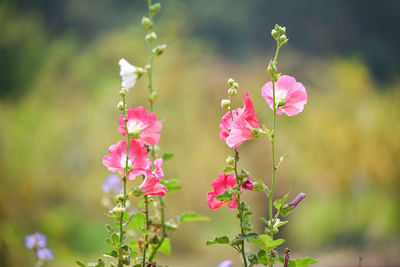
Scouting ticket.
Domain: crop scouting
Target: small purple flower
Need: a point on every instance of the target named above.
(36, 240)
(297, 200)
(45, 254)
(112, 184)
(227, 263)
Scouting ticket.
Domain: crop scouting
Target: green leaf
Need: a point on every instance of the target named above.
(279, 202)
(113, 254)
(138, 221)
(225, 196)
(302, 262)
(266, 242)
(80, 264)
(165, 247)
(167, 156)
(191, 217)
(110, 243)
(218, 240)
(264, 220)
(115, 238)
(281, 223)
(171, 185)
(262, 257)
(228, 169)
(109, 228)
(99, 263)
(171, 225)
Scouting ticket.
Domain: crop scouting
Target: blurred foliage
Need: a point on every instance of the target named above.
(343, 149)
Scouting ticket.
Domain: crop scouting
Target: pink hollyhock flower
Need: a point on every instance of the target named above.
(151, 185)
(220, 184)
(243, 127)
(290, 96)
(248, 185)
(137, 161)
(141, 125)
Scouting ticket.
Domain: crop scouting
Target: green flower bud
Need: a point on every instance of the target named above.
(258, 187)
(235, 85)
(274, 34)
(283, 39)
(150, 37)
(155, 8)
(123, 92)
(119, 209)
(271, 67)
(147, 68)
(283, 30)
(277, 28)
(232, 91)
(126, 259)
(230, 160)
(120, 197)
(253, 258)
(153, 96)
(146, 22)
(121, 105)
(159, 50)
(285, 209)
(231, 81)
(243, 174)
(139, 71)
(225, 103)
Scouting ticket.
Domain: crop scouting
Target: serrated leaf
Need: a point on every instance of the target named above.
(171, 185)
(304, 262)
(191, 217)
(167, 156)
(218, 240)
(266, 242)
(279, 202)
(165, 247)
(80, 264)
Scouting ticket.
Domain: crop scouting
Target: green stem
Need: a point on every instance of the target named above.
(274, 168)
(146, 201)
(163, 232)
(121, 227)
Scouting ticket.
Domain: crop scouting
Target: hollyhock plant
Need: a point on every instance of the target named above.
(223, 182)
(244, 125)
(284, 95)
(128, 74)
(151, 184)
(290, 95)
(137, 161)
(142, 125)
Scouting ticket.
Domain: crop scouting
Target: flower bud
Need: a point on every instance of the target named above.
(231, 81)
(274, 34)
(232, 91)
(235, 85)
(230, 160)
(225, 103)
(120, 197)
(283, 39)
(159, 50)
(126, 259)
(243, 174)
(123, 92)
(146, 22)
(271, 67)
(155, 8)
(258, 187)
(297, 200)
(150, 37)
(119, 209)
(283, 29)
(153, 96)
(139, 71)
(121, 105)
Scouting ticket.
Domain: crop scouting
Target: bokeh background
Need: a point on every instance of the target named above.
(59, 84)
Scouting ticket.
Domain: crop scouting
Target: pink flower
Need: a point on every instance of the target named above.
(141, 125)
(243, 126)
(137, 161)
(248, 185)
(151, 185)
(220, 184)
(290, 96)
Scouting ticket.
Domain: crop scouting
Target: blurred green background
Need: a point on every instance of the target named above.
(59, 84)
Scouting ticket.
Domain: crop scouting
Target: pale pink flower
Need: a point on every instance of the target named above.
(220, 184)
(142, 125)
(151, 184)
(137, 161)
(290, 96)
(243, 126)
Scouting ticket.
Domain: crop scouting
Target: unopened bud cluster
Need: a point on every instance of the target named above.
(234, 86)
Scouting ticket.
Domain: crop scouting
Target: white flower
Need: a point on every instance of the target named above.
(128, 74)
